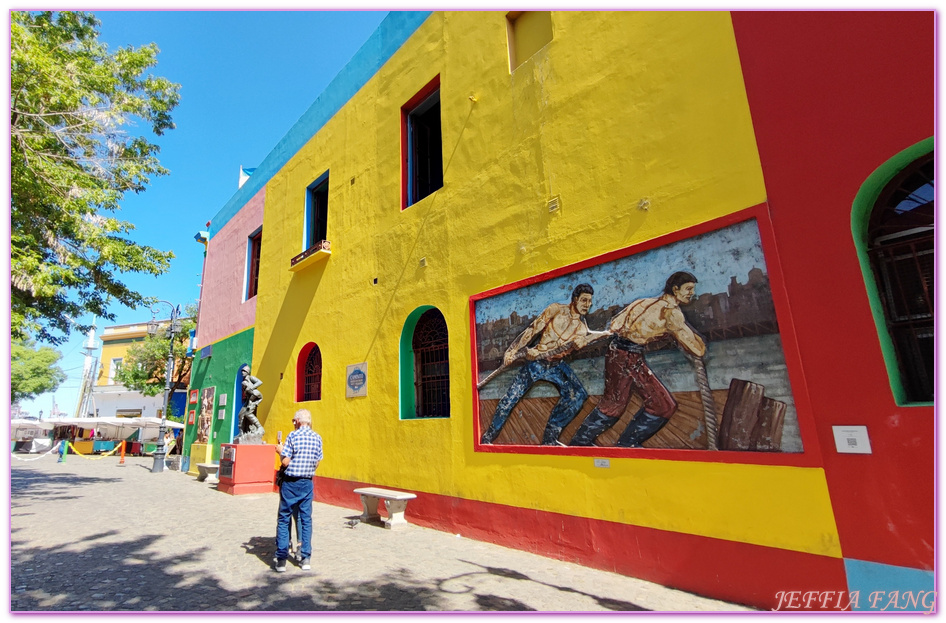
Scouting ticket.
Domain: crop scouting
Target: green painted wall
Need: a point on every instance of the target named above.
(219, 371)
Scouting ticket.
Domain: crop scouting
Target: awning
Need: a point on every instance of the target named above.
(116, 428)
(27, 429)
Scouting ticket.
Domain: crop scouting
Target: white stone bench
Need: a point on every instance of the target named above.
(394, 501)
(207, 469)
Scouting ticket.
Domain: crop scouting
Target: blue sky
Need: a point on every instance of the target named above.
(246, 77)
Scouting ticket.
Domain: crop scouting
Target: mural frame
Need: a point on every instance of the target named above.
(809, 457)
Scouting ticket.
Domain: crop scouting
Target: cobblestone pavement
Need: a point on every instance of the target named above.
(91, 535)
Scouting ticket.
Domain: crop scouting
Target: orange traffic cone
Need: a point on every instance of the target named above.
(122, 462)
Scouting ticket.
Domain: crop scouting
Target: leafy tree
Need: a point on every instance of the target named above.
(33, 371)
(144, 364)
(72, 161)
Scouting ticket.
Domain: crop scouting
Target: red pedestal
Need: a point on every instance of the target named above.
(247, 468)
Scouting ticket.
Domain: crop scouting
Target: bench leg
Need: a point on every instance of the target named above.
(370, 505)
(396, 510)
(201, 476)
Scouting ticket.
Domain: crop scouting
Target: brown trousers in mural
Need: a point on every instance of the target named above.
(626, 372)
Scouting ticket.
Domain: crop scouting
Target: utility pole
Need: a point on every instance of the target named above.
(88, 368)
(173, 327)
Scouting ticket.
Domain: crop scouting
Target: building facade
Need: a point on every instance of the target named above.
(647, 291)
(112, 399)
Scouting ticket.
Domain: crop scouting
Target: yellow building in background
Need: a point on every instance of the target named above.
(112, 399)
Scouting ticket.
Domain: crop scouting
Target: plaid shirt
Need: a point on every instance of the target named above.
(304, 448)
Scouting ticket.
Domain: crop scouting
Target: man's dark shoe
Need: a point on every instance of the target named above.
(305, 564)
(281, 565)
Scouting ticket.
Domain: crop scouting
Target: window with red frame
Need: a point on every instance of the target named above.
(311, 377)
(422, 144)
(253, 255)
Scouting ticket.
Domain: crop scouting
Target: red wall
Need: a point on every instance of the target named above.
(834, 95)
(727, 570)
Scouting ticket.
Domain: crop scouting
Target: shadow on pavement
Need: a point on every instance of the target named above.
(604, 602)
(26, 486)
(105, 575)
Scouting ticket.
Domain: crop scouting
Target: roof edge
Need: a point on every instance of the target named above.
(391, 34)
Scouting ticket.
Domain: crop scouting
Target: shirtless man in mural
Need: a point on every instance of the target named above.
(626, 371)
(561, 329)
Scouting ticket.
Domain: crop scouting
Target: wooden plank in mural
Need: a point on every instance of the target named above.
(740, 415)
(751, 421)
(767, 437)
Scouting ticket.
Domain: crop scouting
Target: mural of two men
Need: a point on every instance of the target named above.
(562, 329)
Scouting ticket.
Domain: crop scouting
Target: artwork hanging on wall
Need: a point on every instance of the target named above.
(206, 413)
(672, 346)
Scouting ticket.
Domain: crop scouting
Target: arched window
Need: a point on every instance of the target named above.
(309, 373)
(900, 248)
(431, 366)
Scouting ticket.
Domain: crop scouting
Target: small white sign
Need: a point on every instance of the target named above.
(851, 439)
(356, 380)
(223, 400)
(602, 463)
(221, 414)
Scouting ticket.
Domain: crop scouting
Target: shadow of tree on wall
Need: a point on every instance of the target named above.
(109, 575)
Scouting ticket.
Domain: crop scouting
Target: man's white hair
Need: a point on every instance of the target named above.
(304, 417)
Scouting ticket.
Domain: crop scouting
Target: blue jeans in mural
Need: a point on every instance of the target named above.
(572, 396)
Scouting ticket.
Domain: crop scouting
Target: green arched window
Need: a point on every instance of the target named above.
(893, 231)
(425, 365)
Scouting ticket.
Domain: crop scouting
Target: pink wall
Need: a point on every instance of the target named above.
(222, 309)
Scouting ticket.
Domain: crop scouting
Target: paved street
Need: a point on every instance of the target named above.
(90, 535)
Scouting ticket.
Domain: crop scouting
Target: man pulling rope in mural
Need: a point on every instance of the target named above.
(560, 329)
(626, 371)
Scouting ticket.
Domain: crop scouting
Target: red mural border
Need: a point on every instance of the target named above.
(809, 457)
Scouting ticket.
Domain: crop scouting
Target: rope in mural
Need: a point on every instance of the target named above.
(706, 397)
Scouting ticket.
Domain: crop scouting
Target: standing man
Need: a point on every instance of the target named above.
(300, 457)
(626, 371)
(561, 329)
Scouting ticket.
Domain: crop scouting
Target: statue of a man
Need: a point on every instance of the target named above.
(249, 424)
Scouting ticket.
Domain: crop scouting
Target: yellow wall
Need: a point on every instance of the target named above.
(618, 108)
(115, 343)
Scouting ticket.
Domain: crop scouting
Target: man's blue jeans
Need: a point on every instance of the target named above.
(572, 393)
(295, 497)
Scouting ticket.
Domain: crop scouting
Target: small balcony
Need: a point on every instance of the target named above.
(321, 250)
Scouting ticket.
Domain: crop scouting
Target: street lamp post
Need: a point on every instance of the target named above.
(173, 327)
